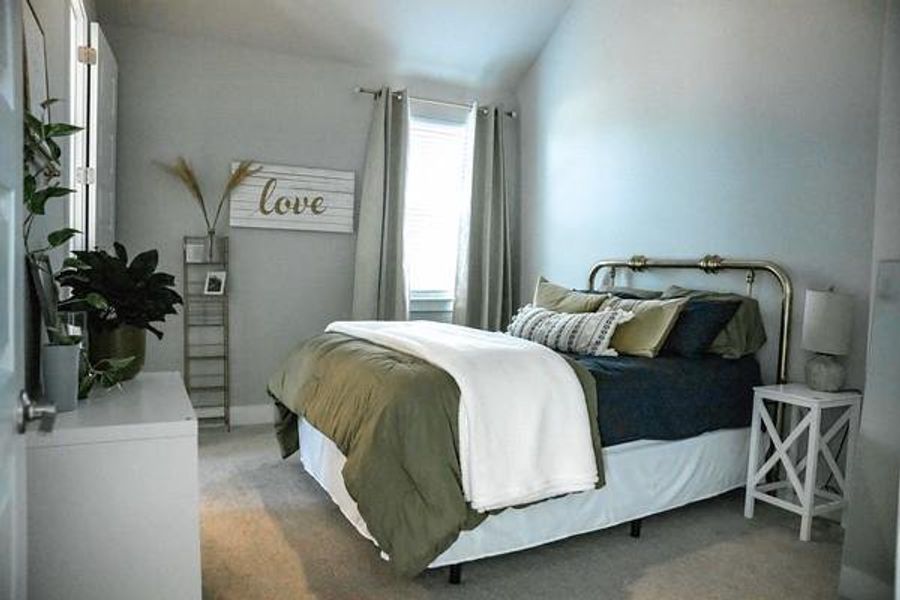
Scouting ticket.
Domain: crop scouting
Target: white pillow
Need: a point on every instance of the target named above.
(579, 333)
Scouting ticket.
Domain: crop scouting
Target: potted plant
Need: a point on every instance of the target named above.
(62, 362)
(182, 170)
(121, 301)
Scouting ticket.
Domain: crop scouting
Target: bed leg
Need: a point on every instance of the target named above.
(455, 574)
(636, 528)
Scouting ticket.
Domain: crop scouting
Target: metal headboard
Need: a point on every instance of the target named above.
(713, 263)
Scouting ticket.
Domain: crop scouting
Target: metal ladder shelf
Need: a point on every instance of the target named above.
(206, 329)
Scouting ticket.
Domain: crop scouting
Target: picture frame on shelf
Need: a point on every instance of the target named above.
(214, 285)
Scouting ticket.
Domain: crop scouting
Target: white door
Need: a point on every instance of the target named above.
(12, 450)
(103, 75)
(78, 116)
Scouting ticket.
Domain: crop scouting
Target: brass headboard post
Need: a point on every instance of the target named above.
(713, 263)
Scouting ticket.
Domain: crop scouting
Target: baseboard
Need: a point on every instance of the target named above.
(252, 414)
(859, 585)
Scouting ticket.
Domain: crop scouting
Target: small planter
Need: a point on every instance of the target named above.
(121, 342)
(61, 376)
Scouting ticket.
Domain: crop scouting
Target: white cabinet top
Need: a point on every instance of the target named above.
(799, 393)
(150, 406)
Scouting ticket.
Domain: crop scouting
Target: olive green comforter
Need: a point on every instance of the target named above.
(394, 418)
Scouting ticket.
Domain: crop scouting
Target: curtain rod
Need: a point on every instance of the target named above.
(466, 105)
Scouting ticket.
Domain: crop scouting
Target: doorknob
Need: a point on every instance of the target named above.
(28, 411)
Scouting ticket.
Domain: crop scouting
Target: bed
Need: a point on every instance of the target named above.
(673, 430)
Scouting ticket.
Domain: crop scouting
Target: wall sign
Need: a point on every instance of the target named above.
(281, 197)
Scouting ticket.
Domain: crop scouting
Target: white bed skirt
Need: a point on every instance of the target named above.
(642, 478)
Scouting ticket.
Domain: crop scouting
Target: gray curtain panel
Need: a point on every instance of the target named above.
(484, 280)
(380, 288)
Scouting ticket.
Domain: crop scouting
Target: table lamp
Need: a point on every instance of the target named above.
(827, 325)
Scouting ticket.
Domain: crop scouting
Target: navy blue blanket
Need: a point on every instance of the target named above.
(670, 397)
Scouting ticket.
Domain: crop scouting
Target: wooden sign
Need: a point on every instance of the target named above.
(281, 197)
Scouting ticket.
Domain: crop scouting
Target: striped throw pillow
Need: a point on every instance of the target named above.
(580, 333)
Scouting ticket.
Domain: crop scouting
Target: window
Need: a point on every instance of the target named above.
(438, 189)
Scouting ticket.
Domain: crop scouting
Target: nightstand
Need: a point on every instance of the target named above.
(800, 493)
(113, 508)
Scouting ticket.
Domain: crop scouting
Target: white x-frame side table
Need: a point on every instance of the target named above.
(800, 468)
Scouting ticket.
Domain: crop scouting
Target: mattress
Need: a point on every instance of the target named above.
(670, 397)
(642, 478)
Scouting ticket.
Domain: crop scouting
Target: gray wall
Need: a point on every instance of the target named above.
(681, 128)
(870, 544)
(886, 243)
(215, 103)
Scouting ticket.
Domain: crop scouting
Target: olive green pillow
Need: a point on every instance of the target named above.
(646, 333)
(744, 334)
(561, 299)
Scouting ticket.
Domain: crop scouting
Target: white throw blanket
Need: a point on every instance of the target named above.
(524, 433)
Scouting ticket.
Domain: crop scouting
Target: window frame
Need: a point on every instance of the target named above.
(432, 300)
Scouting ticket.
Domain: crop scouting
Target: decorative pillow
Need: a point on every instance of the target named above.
(645, 334)
(744, 334)
(698, 325)
(556, 297)
(582, 333)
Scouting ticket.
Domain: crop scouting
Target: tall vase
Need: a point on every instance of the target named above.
(214, 247)
(211, 245)
(60, 367)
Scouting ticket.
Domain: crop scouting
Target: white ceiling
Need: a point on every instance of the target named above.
(487, 43)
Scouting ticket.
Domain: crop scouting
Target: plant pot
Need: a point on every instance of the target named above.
(60, 367)
(121, 342)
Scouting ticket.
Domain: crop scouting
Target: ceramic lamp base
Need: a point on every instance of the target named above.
(824, 373)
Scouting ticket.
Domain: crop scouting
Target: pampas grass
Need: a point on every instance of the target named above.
(182, 170)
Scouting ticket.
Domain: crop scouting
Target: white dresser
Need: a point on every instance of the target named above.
(113, 508)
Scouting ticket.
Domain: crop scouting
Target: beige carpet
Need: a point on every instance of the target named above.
(269, 532)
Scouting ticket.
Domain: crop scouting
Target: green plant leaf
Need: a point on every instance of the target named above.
(54, 149)
(49, 102)
(33, 123)
(161, 280)
(71, 277)
(120, 252)
(38, 201)
(110, 370)
(30, 185)
(97, 301)
(73, 262)
(61, 236)
(86, 384)
(115, 364)
(60, 129)
(71, 305)
(144, 264)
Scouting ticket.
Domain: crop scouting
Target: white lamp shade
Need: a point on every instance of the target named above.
(827, 322)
